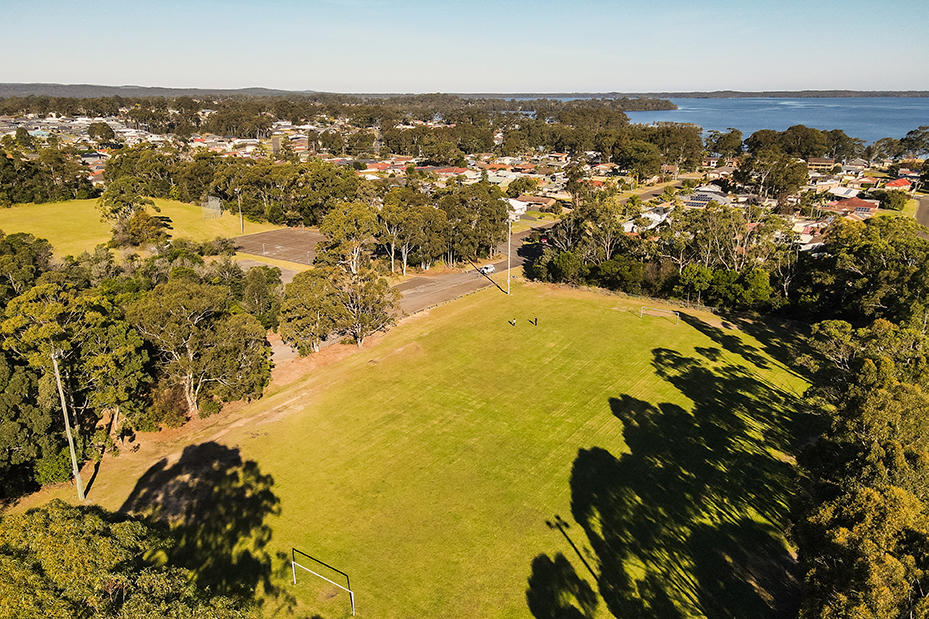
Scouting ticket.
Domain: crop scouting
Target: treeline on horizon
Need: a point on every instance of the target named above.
(411, 106)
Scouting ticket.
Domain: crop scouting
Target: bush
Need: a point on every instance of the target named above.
(168, 409)
(219, 246)
(52, 468)
(208, 407)
(893, 200)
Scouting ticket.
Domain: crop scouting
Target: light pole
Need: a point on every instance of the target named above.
(238, 193)
(509, 245)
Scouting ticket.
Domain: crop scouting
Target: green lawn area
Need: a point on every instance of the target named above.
(75, 226)
(431, 465)
(540, 219)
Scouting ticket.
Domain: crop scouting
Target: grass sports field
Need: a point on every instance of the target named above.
(75, 226)
(450, 465)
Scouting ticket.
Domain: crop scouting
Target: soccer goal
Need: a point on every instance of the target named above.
(294, 565)
(664, 311)
(212, 208)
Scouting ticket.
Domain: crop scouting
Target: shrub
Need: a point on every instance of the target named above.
(208, 407)
(169, 408)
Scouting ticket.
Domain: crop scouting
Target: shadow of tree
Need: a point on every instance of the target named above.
(215, 505)
(783, 341)
(729, 341)
(556, 591)
(688, 522)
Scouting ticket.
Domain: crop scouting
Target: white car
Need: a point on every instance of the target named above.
(487, 269)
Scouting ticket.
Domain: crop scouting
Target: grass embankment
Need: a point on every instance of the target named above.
(428, 465)
(75, 226)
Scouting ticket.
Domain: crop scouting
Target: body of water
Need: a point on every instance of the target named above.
(867, 118)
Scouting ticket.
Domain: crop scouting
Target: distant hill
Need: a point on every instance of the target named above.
(91, 90)
(86, 91)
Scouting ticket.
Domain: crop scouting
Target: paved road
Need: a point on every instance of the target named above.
(428, 290)
(922, 213)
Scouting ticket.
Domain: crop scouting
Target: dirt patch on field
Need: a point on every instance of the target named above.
(291, 370)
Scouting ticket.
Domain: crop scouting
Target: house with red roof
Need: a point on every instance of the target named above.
(853, 206)
(900, 183)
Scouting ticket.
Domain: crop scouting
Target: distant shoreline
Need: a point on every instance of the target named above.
(719, 94)
(91, 90)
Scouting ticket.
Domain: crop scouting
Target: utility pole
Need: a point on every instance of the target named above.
(509, 250)
(238, 193)
(64, 410)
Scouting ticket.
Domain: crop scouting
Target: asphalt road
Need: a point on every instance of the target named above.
(922, 213)
(427, 290)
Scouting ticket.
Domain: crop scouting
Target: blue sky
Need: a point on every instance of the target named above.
(470, 46)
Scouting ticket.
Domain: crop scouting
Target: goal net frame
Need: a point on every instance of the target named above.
(211, 207)
(657, 309)
(294, 565)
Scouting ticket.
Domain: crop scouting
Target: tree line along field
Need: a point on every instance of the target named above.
(75, 226)
(435, 468)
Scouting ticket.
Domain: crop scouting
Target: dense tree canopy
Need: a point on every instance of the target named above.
(63, 561)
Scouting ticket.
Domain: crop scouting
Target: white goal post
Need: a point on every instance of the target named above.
(655, 309)
(294, 565)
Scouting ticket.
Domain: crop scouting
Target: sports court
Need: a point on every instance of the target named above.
(288, 244)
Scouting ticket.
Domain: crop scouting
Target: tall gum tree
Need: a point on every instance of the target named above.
(204, 349)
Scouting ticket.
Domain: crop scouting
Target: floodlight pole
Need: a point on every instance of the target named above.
(64, 411)
(509, 245)
(238, 193)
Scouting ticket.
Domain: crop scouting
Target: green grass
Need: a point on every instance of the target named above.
(75, 226)
(428, 464)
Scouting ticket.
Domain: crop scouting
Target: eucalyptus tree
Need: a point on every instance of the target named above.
(202, 347)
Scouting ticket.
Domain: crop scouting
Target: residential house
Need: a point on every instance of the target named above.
(899, 184)
(865, 182)
(655, 216)
(538, 202)
(855, 166)
(856, 208)
(820, 163)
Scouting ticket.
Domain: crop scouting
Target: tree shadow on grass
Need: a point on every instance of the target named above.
(729, 341)
(215, 505)
(783, 340)
(688, 523)
(557, 592)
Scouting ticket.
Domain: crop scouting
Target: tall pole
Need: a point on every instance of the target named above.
(509, 245)
(64, 410)
(238, 192)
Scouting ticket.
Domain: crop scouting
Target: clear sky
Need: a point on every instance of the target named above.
(362, 46)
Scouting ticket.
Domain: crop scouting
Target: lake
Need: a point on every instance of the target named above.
(868, 118)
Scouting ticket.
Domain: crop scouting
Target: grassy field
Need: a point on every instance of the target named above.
(75, 226)
(463, 466)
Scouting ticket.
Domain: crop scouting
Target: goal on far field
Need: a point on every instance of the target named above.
(212, 208)
(651, 310)
(294, 565)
